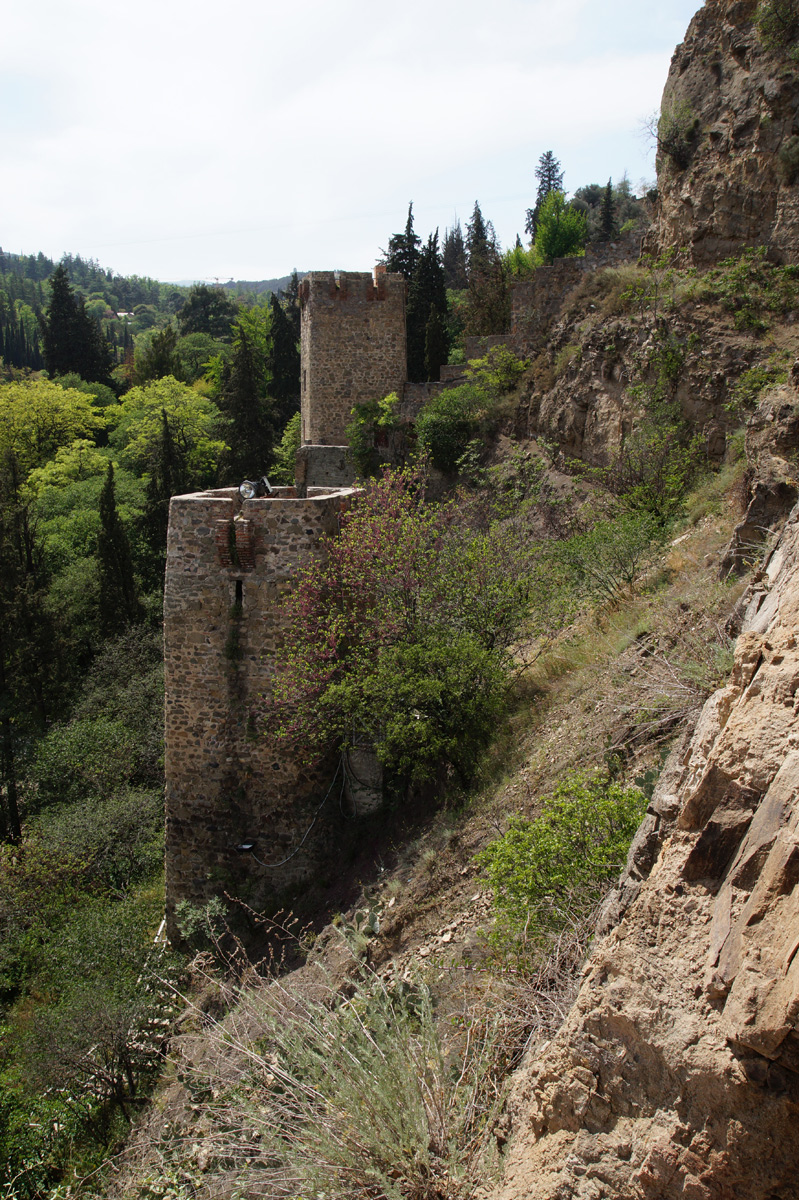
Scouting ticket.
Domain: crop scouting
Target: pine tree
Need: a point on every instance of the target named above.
(607, 220)
(489, 298)
(436, 344)
(283, 364)
(550, 179)
(30, 654)
(73, 340)
(245, 396)
(119, 601)
(291, 303)
(403, 249)
(453, 255)
(168, 478)
(427, 290)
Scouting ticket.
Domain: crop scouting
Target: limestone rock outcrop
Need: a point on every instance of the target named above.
(676, 1074)
(728, 141)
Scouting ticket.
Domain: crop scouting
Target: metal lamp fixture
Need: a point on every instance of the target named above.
(253, 489)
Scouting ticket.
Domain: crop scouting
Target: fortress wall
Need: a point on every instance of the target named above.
(353, 347)
(227, 780)
(535, 302)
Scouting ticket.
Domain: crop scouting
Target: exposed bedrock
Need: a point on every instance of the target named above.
(676, 1073)
(728, 141)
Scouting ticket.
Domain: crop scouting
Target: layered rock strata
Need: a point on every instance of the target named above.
(676, 1073)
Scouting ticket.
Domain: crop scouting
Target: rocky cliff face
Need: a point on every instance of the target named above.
(677, 1072)
(728, 141)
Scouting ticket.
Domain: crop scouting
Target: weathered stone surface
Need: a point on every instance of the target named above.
(227, 779)
(738, 106)
(677, 1072)
(772, 442)
(352, 347)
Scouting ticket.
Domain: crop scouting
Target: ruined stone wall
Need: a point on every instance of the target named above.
(227, 780)
(535, 302)
(353, 347)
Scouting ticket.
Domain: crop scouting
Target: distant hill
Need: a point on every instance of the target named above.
(261, 285)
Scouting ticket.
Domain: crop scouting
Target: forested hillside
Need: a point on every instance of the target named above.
(116, 394)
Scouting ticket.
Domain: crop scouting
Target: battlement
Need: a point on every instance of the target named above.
(352, 347)
(228, 780)
(352, 287)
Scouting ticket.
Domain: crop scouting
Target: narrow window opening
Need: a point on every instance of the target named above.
(239, 593)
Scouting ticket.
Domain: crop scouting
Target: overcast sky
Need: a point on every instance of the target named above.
(190, 139)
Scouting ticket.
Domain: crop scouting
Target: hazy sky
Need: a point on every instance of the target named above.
(194, 139)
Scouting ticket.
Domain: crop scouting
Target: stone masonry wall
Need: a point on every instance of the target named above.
(353, 347)
(227, 781)
(536, 301)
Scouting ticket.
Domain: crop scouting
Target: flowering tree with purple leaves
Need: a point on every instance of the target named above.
(401, 634)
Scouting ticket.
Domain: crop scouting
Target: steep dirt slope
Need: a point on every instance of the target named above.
(677, 1071)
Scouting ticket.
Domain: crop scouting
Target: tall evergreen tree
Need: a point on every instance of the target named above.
(245, 395)
(73, 340)
(436, 344)
(427, 290)
(119, 601)
(291, 303)
(168, 478)
(489, 298)
(453, 256)
(607, 220)
(30, 658)
(403, 249)
(550, 179)
(208, 310)
(283, 364)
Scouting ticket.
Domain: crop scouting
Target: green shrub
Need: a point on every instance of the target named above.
(371, 423)
(363, 1096)
(788, 159)
(87, 757)
(606, 559)
(283, 469)
(452, 419)
(678, 133)
(751, 384)
(751, 288)
(447, 423)
(777, 23)
(567, 356)
(561, 230)
(541, 871)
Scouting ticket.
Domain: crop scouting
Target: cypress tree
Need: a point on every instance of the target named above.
(607, 220)
(403, 249)
(291, 304)
(283, 364)
(453, 256)
(168, 478)
(489, 298)
(427, 290)
(73, 340)
(245, 396)
(119, 601)
(160, 358)
(436, 344)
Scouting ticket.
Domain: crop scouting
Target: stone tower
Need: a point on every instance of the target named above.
(352, 349)
(228, 781)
